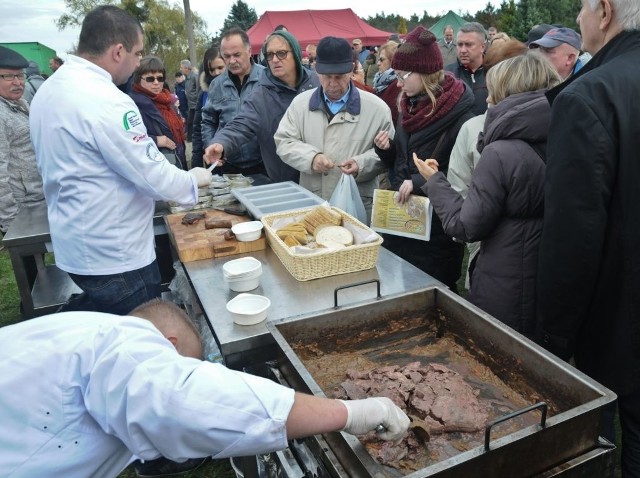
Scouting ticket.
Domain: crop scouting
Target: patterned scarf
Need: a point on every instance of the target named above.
(165, 104)
(418, 111)
(384, 79)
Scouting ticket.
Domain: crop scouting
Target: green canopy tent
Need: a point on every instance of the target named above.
(451, 18)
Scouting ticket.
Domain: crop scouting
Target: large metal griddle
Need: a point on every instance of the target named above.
(573, 401)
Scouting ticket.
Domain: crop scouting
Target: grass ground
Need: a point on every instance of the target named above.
(10, 313)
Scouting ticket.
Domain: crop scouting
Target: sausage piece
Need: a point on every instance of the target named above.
(213, 223)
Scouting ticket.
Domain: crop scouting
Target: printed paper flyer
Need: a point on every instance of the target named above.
(411, 219)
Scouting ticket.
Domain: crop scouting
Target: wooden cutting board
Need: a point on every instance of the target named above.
(193, 242)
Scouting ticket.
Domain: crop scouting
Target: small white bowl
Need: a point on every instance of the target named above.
(243, 267)
(248, 309)
(242, 274)
(247, 231)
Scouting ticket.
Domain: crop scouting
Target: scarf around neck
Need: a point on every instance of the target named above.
(164, 102)
(419, 112)
(384, 79)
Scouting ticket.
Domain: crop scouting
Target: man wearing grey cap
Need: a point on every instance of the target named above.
(561, 46)
(20, 182)
(329, 131)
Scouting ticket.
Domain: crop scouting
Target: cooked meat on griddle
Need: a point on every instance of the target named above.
(437, 397)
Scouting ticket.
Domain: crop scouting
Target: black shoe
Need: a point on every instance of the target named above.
(164, 467)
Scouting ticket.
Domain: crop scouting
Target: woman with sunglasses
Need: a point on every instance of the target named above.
(157, 107)
(432, 108)
(384, 82)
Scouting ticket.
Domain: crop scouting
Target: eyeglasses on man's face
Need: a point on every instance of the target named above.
(151, 79)
(13, 76)
(281, 54)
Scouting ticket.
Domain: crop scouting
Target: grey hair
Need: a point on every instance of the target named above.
(185, 63)
(625, 12)
(447, 27)
(474, 27)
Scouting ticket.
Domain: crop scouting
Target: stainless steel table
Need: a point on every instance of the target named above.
(243, 346)
(44, 288)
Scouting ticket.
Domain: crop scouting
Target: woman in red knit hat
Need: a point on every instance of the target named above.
(432, 107)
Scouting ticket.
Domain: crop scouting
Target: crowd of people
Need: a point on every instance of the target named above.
(526, 150)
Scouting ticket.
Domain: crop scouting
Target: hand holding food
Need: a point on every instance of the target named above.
(350, 167)
(202, 176)
(382, 140)
(321, 163)
(426, 168)
(364, 416)
(213, 153)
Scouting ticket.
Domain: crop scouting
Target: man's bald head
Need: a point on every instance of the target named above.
(174, 324)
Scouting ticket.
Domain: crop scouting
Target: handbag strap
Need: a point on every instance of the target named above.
(436, 150)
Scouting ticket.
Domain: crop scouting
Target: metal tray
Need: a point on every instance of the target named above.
(276, 197)
(575, 400)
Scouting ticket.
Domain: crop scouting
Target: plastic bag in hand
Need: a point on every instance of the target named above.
(347, 197)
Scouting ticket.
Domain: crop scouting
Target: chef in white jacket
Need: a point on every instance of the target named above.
(81, 393)
(101, 172)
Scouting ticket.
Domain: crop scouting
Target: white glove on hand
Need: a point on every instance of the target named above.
(365, 415)
(202, 175)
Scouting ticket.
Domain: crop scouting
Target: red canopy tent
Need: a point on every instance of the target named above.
(309, 26)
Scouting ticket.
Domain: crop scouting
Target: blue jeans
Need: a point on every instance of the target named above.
(116, 293)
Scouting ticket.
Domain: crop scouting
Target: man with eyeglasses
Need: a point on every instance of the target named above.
(260, 114)
(20, 182)
(226, 94)
(102, 172)
(329, 131)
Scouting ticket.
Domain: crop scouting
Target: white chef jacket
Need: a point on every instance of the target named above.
(82, 392)
(101, 172)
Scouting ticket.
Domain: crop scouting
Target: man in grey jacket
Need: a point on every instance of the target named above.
(20, 182)
(191, 90)
(227, 92)
(448, 46)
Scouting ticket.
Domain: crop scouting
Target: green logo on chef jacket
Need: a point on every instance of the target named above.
(130, 120)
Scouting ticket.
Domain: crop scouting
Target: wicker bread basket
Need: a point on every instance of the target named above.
(303, 267)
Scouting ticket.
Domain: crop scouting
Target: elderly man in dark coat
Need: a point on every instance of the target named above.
(589, 274)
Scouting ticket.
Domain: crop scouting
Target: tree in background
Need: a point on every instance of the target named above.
(513, 17)
(402, 26)
(165, 33)
(507, 17)
(487, 17)
(241, 15)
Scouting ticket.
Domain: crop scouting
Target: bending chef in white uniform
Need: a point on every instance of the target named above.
(81, 393)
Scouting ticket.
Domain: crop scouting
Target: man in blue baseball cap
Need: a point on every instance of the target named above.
(562, 47)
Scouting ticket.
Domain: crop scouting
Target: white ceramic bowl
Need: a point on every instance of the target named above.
(242, 274)
(247, 231)
(248, 309)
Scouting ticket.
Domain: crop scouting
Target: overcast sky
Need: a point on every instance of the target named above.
(32, 20)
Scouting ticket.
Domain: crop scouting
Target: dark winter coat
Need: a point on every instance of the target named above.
(260, 116)
(589, 273)
(440, 257)
(157, 126)
(476, 81)
(503, 209)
